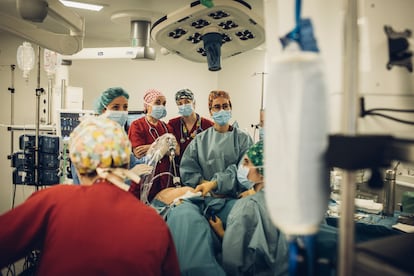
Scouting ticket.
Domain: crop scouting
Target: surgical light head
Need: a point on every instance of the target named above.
(212, 46)
(208, 34)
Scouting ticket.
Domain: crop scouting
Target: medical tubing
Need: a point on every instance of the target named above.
(309, 241)
(146, 186)
(293, 257)
(298, 9)
(390, 118)
(295, 33)
(161, 174)
(389, 109)
(373, 112)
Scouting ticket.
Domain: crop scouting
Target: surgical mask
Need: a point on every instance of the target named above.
(185, 109)
(158, 111)
(222, 117)
(261, 133)
(242, 173)
(117, 115)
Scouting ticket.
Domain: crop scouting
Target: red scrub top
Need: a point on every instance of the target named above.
(142, 132)
(185, 136)
(88, 230)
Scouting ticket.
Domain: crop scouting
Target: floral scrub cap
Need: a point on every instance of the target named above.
(98, 142)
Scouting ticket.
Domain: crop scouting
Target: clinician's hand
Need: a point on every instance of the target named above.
(247, 193)
(141, 151)
(217, 226)
(206, 187)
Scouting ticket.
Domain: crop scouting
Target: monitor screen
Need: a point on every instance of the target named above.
(133, 115)
(68, 119)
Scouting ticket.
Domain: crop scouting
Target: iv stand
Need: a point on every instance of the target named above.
(39, 91)
(346, 254)
(12, 89)
(262, 92)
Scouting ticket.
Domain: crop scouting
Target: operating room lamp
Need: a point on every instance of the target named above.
(202, 34)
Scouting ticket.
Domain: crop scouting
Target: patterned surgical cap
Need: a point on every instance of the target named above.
(150, 96)
(184, 94)
(98, 142)
(217, 94)
(255, 154)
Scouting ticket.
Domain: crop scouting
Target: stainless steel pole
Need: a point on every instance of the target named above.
(350, 115)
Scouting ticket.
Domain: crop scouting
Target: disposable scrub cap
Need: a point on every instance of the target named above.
(150, 96)
(184, 94)
(98, 142)
(255, 154)
(107, 97)
(217, 94)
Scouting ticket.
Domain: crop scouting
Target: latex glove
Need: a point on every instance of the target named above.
(163, 145)
(142, 169)
(206, 187)
(247, 193)
(217, 225)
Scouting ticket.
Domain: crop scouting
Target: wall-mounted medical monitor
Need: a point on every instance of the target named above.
(68, 119)
(132, 116)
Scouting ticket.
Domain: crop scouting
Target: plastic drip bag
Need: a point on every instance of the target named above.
(297, 179)
(25, 58)
(50, 62)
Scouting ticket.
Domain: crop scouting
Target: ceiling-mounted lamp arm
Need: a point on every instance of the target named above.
(74, 22)
(66, 44)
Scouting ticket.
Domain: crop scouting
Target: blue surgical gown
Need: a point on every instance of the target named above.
(210, 156)
(214, 156)
(252, 245)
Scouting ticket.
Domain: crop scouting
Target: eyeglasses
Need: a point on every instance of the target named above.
(218, 107)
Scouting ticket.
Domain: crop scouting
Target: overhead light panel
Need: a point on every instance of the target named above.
(80, 5)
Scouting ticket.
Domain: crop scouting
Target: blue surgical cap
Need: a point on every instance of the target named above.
(107, 97)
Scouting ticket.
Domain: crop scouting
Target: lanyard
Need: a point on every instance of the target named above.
(184, 131)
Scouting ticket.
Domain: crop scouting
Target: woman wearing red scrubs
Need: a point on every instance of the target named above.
(142, 133)
(190, 123)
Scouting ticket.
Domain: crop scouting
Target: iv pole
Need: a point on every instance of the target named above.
(346, 254)
(262, 92)
(12, 89)
(261, 102)
(39, 91)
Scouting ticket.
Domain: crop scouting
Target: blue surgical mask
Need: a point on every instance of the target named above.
(158, 111)
(242, 173)
(117, 115)
(185, 109)
(222, 117)
(261, 134)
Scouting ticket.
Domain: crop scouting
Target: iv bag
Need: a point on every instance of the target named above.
(25, 58)
(50, 62)
(297, 179)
